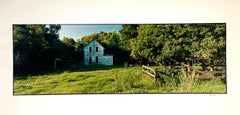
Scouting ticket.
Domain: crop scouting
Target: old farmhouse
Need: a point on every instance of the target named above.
(94, 54)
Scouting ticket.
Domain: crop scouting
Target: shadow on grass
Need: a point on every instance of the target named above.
(71, 68)
(84, 68)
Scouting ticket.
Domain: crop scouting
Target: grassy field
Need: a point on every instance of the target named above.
(110, 80)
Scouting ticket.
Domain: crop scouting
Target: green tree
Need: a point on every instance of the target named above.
(79, 50)
(69, 54)
(53, 48)
(128, 32)
(111, 39)
(68, 41)
(86, 39)
(27, 44)
(171, 44)
(31, 46)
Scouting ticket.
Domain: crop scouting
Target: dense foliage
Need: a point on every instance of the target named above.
(38, 47)
(35, 47)
(171, 44)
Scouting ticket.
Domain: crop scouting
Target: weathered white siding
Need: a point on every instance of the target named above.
(96, 55)
(108, 60)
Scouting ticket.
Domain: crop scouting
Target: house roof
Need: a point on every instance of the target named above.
(93, 41)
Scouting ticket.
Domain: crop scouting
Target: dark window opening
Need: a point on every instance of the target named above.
(96, 59)
(90, 49)
(90, 59)
(96, 49)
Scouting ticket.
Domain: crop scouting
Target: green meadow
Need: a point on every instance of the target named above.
(110, 80)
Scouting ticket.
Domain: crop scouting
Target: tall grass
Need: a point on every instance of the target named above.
(187, 81)
(178, 80)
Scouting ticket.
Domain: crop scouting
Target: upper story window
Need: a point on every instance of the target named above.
(96, 49)
(90, 49)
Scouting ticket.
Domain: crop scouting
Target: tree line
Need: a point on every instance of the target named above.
(38, 47)
(172, 44)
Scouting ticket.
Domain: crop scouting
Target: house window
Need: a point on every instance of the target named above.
(96, 59)
(90, 60)
(90, 49)
(96, 49)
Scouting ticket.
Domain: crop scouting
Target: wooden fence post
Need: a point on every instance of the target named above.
(152, 73)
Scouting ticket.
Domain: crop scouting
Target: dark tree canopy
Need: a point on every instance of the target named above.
(35, 47)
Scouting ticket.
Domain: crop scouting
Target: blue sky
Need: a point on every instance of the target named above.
(78, 31)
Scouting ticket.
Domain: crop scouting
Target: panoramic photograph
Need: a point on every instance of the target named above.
(57, 59)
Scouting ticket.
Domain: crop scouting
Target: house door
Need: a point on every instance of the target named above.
(90, 60)
(96, 59)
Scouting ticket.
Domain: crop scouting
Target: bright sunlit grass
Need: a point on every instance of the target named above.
(108, 80)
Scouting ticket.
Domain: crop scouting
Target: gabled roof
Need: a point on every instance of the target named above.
(93, 41)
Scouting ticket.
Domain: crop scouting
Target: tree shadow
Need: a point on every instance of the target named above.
(71, 68)
(85, 68)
